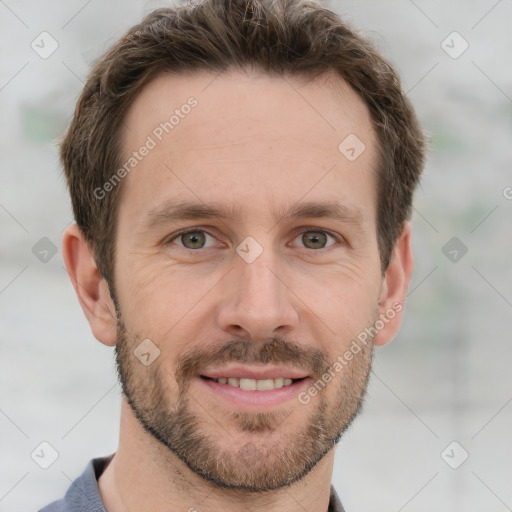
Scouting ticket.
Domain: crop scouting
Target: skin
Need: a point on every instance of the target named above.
(256, 143)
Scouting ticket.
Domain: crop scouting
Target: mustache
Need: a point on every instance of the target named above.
(277, 351)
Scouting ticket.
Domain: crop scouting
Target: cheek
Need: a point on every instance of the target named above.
(351, 285)
(160, 298)
(345, 302)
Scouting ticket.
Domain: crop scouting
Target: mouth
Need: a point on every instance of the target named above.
(253, 394)
(248, 384)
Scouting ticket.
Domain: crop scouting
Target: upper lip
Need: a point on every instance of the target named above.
(257, 373)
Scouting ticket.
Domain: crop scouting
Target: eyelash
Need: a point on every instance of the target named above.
(306, 229)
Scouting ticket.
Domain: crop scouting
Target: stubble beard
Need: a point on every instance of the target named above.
(268, 450)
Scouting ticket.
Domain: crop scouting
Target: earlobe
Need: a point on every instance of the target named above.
(91, 289)
(394, 288)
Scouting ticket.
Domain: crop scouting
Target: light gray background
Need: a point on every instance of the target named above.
(446, 377)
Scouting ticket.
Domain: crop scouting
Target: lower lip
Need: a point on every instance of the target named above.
(248, 398)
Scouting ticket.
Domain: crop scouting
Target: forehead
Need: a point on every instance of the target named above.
(246, 139)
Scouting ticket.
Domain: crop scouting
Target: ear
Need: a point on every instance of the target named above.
(91, 289)
(394, 289)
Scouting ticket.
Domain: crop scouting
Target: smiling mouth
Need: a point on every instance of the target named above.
(254, 384)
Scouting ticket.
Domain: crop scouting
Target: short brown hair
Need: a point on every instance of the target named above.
(295, 37)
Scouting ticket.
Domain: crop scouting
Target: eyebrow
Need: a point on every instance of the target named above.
(173, 211)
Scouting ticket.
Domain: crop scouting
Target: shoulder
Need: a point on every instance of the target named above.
(83, 495)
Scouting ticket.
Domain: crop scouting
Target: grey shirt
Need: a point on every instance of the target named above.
(84, 495)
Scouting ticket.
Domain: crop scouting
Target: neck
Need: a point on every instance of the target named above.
(144, 475)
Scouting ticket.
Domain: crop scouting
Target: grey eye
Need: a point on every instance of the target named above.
(196, 239)
(315, 239)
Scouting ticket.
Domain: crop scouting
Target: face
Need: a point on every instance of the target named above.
(246, 250)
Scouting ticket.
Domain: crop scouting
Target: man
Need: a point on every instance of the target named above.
(241, 173)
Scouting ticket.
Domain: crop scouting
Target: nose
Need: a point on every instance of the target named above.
(258, 301)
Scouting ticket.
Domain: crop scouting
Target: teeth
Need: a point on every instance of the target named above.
(253, 384)
(248, 384)
(279, 383)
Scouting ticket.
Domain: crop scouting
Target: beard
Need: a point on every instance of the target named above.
(270, 449)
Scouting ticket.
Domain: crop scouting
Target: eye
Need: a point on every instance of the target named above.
(316, 239)
(192, 239)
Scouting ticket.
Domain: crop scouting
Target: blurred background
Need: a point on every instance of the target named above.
(436, 429)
